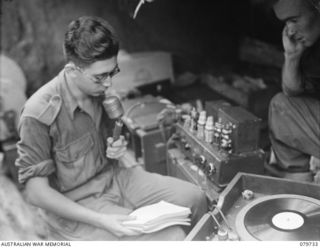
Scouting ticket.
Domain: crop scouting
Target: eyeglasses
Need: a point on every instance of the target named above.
(101, 78)
(104, 76)
(98, 79)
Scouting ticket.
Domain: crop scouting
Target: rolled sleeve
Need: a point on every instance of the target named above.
(34, 150)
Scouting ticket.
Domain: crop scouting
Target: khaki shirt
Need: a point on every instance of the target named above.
(60, 141)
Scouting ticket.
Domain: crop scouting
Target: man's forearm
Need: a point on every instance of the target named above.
(53, 201)
(291, 76)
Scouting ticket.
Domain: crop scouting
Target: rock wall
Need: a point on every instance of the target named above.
(197, 33)
(32, 33)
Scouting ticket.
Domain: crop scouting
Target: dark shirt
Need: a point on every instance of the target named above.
(310, 68)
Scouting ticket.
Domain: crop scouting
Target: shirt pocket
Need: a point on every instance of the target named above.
(75, 150)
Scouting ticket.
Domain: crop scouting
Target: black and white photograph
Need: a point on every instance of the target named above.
(191, 122)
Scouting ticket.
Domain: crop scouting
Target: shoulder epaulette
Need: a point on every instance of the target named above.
(44, 105)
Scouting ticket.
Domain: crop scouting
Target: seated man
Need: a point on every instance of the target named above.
(63, 143)
(294, 115)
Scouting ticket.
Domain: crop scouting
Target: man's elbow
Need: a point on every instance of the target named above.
(34, 188)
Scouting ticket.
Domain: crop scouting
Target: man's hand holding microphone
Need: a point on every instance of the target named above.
(116, 145)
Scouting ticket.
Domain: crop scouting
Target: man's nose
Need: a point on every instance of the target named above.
(107, 82)
(292, 30)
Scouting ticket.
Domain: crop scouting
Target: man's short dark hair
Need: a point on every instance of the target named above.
(90, 39)
(268, 4)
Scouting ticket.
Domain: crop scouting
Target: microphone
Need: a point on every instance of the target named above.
(114, 110)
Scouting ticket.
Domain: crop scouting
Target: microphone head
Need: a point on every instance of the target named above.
(113, 107)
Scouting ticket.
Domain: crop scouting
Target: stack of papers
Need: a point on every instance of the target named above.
(157, 216)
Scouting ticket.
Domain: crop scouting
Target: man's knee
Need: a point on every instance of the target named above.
(197, 197)
(199, 205)
(279, 112)
(202, 200)
(279, 102)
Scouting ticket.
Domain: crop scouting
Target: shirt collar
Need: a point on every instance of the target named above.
(70, 101)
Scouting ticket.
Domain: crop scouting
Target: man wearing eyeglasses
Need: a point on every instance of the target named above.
(294, 116)
(62, 151)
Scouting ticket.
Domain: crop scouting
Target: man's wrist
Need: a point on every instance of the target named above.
(291, 90)
(293, 56)
(96, 219)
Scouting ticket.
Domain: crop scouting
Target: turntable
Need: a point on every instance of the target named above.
(262, 208)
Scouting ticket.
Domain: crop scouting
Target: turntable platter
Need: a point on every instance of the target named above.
(282, 217)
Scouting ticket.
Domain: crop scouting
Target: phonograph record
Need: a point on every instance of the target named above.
(262, 208)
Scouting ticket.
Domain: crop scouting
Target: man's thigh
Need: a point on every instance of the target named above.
(295, 121)
(139, 187)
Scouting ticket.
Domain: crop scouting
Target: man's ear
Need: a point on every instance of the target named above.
(70, 67)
